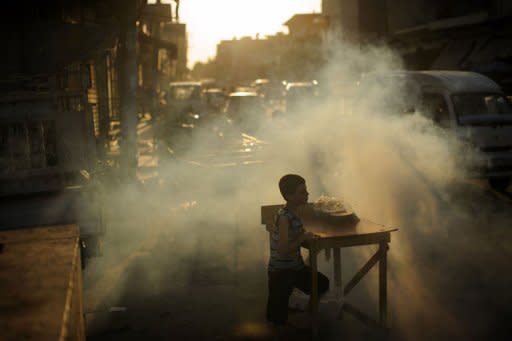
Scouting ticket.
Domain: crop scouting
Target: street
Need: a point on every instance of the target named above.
(178, 268)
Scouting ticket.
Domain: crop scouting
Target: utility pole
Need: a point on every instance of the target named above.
(155, 28)
(128, 90)
(177, 11)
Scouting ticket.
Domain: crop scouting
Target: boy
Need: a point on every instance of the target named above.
(286, 268)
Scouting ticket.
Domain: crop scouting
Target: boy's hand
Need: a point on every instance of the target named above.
(309, 235)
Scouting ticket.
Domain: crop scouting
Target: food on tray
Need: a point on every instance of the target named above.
(334, 210)
(330, 205)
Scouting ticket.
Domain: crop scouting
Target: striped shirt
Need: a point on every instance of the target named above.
(292, 261)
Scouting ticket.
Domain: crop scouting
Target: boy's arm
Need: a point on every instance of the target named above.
(286, 246)
(283, 247)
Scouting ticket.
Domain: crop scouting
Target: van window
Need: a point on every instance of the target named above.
(481, 104)
(434, 107)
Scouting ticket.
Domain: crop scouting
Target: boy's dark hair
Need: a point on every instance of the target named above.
(288, 184)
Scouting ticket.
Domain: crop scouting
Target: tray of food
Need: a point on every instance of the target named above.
(334, 210)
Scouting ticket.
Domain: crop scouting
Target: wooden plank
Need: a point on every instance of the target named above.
(268, 213)
(337, 266)
(348, 241)
(40, 284)
(313, 304)
(383, 286)
(72, 327)
(330, 229)
(25, 235)
(337, 277)
(337, 271)
(343, 229)
(362, 272)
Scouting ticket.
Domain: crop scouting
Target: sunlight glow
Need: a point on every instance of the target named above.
(209, 21)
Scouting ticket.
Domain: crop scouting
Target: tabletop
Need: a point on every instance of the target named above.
(328, 228)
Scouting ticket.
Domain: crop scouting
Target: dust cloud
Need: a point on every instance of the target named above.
(200, 218)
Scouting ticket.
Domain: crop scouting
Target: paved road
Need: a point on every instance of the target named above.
(186, 268)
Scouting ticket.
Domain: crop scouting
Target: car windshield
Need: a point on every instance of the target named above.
(185, 92)
(481, 104)
(301, 91)
(243, 103)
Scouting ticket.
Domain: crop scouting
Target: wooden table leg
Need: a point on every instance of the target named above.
(337, 272)
(337, 277)
(313, 302)
(383, 285)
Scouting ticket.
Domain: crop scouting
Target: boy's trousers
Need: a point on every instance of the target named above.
(280, 286)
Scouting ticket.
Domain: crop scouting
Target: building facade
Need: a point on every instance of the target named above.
(297, 55)
(473, 35)
(105, 61)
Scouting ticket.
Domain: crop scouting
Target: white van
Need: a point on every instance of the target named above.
(470, 104)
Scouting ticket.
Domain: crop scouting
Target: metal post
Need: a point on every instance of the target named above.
(156, 75)
(103, 98)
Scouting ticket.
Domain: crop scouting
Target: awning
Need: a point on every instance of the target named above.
(454, 54)
(493, 58)
(494, 68)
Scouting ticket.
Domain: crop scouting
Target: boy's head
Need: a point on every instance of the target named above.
(293, 188)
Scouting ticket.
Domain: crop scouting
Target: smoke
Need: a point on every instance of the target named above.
(200, 216)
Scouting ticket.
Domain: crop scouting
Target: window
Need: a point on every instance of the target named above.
(19, 146)
(36, 144)
(184, 93)
(481, 104)
(434, 107)
(27, 145)
(50, 143)
(5, 149)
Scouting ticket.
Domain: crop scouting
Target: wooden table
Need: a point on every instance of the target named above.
(333, 236)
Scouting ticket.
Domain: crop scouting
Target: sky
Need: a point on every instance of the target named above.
(209, 21)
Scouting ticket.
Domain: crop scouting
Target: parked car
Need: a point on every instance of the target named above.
(469, 104)
(184, 97)
(260, 85)
(185, 112)
(245, 109)
(214, 99)
(297, 93)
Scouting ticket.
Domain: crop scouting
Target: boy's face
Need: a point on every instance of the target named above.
(300, 197)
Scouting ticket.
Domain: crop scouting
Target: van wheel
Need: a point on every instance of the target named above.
(499, 184)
